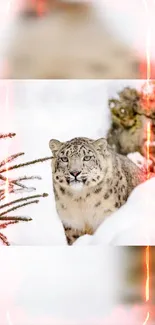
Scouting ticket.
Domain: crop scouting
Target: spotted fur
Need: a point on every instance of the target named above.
(90, 182)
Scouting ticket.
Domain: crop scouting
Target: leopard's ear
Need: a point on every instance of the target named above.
(55, 146)
(100, 144)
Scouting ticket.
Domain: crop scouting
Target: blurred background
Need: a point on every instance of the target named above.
(77, 39)
(138, 280)
(135, 259)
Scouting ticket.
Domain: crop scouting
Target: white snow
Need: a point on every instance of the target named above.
(64, 286)
(40, 110)
(139, 160)
(133, 224)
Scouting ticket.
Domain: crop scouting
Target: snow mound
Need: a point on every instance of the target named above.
(132, 224)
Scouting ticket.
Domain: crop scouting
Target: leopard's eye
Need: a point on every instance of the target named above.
(64, 159)
(87, 158)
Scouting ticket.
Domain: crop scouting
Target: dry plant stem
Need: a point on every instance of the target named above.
(25, 178)
(15, 186)
(11, 191)
(15, 182)
(25, 164)
(7, 135)
(4, 225)
(18, 206)
(16, 218)
(18, 190)
(23, 199)
(2, 194)
(19, 179)
(4, 240)
(11, 158)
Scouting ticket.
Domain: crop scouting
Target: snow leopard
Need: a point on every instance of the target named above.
(90, 182)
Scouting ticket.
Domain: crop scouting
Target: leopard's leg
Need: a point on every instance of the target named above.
(72, 234)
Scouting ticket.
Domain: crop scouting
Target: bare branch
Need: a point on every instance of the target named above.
(15, 186)
(8, 135)
(17, 183)
(18, 206)
(4, 240)
(23, 199)
(4, 225)
(25, 164)
(25, 178)
(16, 218)
(10, 158)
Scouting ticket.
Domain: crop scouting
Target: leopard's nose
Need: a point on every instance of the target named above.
(75, 173)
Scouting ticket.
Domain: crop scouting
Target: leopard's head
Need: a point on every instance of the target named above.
(79, 163)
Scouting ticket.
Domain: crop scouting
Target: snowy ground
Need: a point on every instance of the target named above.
(65, 286)
(40, 110)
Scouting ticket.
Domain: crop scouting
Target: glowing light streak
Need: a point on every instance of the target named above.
(148, 42)
(148, 148)
(147, 318)
(148, 60)
(147, 285)
(147, 288)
